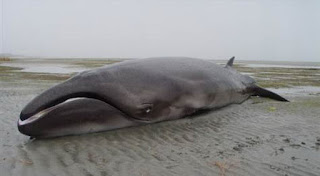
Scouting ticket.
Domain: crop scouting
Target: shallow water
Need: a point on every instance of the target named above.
(258, 137)
(281, 66)
(272, 64)
(44, 68)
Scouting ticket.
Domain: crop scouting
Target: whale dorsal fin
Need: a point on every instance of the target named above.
(230, 62)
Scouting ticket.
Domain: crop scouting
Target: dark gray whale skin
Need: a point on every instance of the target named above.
(133, 93)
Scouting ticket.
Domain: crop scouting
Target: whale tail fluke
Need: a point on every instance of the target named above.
(261, 92)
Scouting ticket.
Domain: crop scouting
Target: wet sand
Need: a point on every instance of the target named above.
(258, 137)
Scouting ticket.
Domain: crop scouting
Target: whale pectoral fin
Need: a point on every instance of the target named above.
(230, 62)
(258, 91)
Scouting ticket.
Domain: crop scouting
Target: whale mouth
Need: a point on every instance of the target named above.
(39, 115)
(44, 112)
(74, 116)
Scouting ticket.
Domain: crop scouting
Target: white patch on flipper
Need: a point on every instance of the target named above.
(72, 99)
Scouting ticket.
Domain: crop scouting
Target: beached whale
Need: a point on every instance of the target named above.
(133, 93)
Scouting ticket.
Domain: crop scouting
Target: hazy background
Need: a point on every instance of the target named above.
(213, 29)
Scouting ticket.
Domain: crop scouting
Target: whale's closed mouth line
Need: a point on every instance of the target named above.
(42, 113)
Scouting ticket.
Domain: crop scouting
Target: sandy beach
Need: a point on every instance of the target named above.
(257, 137)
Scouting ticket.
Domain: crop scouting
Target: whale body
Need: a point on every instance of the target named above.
(136, 92)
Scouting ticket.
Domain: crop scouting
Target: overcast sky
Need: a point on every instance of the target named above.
(212, 29)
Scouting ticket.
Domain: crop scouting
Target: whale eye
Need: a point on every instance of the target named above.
(148, 109)
(145, 109)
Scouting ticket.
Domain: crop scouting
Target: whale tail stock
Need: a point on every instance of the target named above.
(254, 89)
(261, 92)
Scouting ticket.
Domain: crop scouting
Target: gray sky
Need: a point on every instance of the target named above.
(213, 29)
